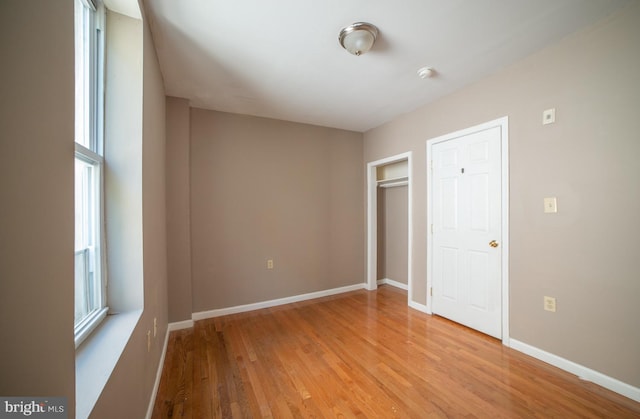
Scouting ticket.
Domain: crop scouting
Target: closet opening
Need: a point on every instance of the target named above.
(389, 241)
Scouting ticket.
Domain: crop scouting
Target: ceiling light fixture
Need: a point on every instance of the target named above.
(358, 37)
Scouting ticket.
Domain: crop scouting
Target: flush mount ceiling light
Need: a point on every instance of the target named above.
(358, 37)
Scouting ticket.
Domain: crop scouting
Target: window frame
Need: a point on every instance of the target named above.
(91, 93)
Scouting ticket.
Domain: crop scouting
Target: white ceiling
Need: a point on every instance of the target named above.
(281, 59)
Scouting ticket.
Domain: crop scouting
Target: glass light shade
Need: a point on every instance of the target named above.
(358, 38)
(358, 42)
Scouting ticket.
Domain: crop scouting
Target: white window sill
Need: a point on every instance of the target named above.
(89, 325)
(97, 357)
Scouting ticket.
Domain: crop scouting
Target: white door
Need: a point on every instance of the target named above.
(466, 192)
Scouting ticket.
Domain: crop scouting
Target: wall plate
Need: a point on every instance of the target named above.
(550, 205)
(549, 116)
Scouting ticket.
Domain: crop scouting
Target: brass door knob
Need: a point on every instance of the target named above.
(493, 243)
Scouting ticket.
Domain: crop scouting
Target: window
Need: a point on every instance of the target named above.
(90, 305)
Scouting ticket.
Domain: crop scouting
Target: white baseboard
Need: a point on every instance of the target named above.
(412, 304)
(186, 324)
(581, 371)
(272, 303)
(393, 283)
(156, 385)
(419, 307)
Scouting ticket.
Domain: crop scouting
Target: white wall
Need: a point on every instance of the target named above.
(123, 156)
(128, 391)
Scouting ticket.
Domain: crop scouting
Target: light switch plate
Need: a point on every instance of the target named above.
(550, 205)
(549, 116)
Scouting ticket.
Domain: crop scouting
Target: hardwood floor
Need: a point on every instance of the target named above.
(363, 354)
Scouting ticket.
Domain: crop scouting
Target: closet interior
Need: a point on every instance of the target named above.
(392, 207)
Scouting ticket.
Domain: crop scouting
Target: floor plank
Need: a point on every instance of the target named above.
(363, 355)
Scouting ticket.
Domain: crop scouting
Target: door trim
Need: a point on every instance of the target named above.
(372, 220)
(503, 124)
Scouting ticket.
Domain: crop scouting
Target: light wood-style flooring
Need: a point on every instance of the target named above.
(363, 354)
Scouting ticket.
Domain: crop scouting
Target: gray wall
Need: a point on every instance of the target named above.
(178, 210)
(587, 254)
(36, 214)
(36, 208)
(393, 234)
(263, 189)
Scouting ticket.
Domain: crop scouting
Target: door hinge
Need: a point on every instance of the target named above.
(462, 170)
(431, 291)
(431, 228)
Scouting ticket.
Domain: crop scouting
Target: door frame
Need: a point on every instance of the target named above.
(372, 219)
(503, 124)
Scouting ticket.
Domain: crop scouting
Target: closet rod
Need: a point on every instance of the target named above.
(394, 184)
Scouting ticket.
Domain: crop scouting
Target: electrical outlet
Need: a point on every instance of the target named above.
(549, 116)
(269, 263)
(549, 304)
(155, 326)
